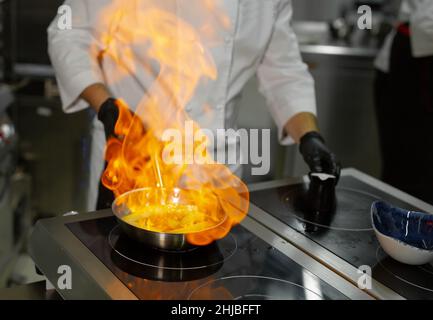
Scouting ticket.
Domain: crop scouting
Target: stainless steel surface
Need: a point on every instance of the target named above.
(334, 50)
(159, 240)
(322, 255)
(92, 280)
(315, 37)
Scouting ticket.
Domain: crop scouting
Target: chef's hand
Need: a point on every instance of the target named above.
(317, 155)
(108, 114)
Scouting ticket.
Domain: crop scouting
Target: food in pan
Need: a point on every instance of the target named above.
(172, 218)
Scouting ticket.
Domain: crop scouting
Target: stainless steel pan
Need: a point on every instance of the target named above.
(158, 240)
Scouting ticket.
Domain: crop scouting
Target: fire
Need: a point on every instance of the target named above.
(135, 158)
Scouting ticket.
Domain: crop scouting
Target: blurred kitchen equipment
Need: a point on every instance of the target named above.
(311, 32)
(15, 209)
(407, 236)
(346, 27)
(340, 29)
(23, 26)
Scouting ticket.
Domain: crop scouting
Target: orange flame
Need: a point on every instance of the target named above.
(183, 62)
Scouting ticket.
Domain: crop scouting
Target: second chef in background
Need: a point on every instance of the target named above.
(404, 100)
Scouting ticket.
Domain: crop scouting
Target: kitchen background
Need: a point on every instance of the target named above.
(44, 152)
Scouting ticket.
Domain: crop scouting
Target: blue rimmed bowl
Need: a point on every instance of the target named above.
(407, 236)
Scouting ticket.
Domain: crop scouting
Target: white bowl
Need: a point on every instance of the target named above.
(407, 236)
(403, 252)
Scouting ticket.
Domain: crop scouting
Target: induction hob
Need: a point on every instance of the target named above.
(237, 267)
(250, 263)
(344, 239)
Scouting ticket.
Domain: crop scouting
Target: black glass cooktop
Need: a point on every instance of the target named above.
(347, 231)
(240, 266)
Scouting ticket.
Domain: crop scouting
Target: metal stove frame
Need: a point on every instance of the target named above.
(52, 244)
(314, 250)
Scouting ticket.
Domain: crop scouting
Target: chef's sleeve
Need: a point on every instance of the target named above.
(284, 79)
(421, 24)
(73, 54)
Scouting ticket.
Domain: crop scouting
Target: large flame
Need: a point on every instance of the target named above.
(135, 159)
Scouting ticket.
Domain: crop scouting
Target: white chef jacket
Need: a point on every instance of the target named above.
(419, 13)
(259, 41)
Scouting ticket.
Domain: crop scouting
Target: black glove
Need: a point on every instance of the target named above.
(108, 115)
(317, 155)
(105, 196)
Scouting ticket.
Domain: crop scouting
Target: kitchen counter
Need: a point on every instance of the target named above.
(46, 71)
(315, 38)
(339, 50)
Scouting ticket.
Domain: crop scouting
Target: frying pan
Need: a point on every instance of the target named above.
(150, 196)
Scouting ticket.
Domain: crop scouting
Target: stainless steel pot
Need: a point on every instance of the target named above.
(158, 240)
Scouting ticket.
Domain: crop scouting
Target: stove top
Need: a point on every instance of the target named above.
(347, 231)
(240, 266)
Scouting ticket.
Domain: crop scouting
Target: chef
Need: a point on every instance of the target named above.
(404, 100)
(259, 41)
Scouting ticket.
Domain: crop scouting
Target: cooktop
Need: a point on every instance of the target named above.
(347, 231)
(240, 266)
